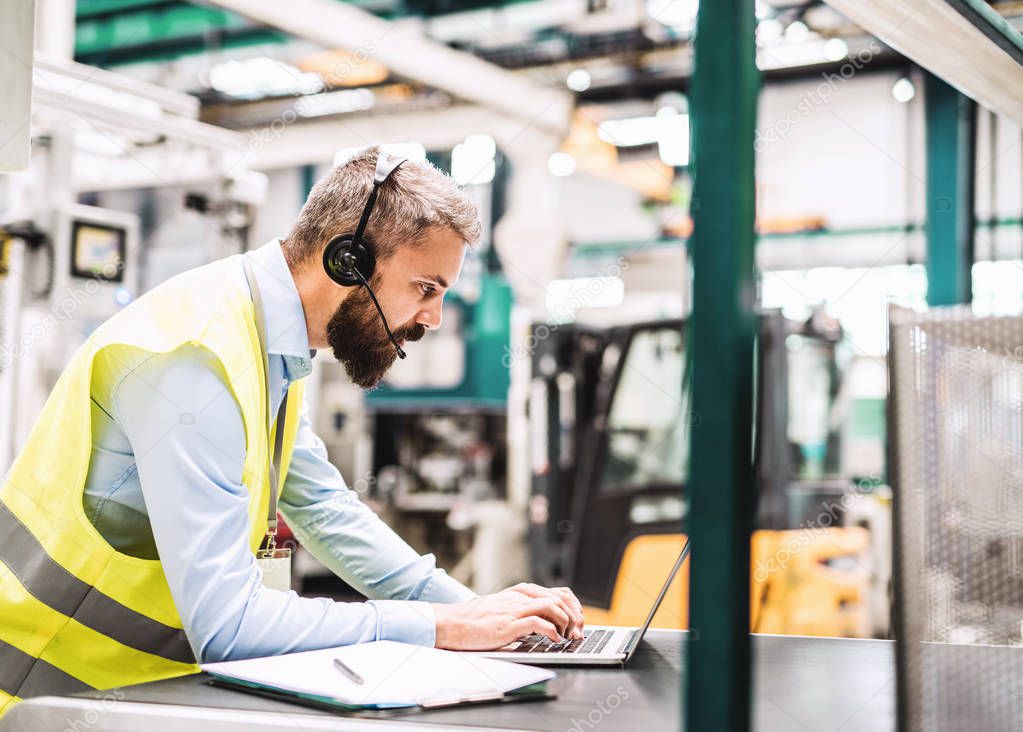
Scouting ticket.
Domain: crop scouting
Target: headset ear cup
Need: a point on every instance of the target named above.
(338, 265)
(365, 260)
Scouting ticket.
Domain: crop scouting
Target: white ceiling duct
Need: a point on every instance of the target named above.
(964, 42)
(401, 47)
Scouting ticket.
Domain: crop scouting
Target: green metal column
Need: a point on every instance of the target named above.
(308, 173)
(951, 154)
(723, 103)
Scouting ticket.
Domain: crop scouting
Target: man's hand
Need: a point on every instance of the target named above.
(492, 621)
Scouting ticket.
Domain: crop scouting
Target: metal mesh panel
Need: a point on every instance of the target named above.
(956, 462)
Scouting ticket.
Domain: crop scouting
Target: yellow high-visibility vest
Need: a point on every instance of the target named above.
(75, 613)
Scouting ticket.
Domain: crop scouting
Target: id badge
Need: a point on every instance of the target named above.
(276, 567)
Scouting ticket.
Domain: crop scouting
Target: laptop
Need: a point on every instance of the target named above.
(601, 645)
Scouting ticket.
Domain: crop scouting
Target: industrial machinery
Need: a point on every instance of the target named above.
(65, 271)
(115, 143)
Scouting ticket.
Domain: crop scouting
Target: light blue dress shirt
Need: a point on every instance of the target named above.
(165, 480)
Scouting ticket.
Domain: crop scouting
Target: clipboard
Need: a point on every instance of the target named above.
(537, 692)
(382, 677)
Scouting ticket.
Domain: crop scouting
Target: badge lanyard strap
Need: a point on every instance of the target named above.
(278, 433)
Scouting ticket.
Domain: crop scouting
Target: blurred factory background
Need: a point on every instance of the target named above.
(540, 434)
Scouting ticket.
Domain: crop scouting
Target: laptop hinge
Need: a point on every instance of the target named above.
(626, 645)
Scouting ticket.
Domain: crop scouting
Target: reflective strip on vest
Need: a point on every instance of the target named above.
(53, 585)
(23, 675)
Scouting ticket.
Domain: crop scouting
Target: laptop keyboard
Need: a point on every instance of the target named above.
(593, 641)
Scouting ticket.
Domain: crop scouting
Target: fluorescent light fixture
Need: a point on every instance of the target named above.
(668, 129)
(641, 130)
(787, 55)
(674, 150)
(410, 150)
(482, 145)
(561, 164)
(262, 77)
(336, 102)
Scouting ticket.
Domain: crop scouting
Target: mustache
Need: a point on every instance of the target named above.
(410, 333)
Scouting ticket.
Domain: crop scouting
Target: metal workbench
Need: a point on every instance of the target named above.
(798, 684)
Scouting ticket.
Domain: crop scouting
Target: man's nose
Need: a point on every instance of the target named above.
(430, 318)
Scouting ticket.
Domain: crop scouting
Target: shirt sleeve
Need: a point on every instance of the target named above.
(332, 522)
(188, 439)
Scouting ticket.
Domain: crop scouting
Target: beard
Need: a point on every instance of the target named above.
(357, 337)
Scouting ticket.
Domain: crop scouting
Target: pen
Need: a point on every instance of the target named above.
(348, 671)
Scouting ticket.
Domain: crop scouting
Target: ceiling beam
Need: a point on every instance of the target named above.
(401, 46)
(963, 42)
(312, 142)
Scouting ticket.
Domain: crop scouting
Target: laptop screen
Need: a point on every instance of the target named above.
(660, 596)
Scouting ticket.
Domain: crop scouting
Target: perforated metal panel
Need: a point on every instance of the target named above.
(956, 463)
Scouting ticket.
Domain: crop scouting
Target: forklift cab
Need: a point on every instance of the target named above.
(614, 461)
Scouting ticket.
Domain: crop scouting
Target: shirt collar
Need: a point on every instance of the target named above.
(282, 306)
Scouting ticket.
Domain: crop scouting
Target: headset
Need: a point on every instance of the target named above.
(348, 259)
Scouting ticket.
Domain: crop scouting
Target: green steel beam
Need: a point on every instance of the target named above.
(823, 237)
(170, 50)
(95, 8)
(951, 154)
(993, 25)
(113, 32)
(163, 31)
(723, 97)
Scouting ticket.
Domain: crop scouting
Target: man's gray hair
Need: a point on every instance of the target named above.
(416, 197)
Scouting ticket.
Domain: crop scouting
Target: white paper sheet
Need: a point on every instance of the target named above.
(394, 674)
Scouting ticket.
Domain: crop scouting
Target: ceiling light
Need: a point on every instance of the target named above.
(797, 32)
(561, 164)
(262, 77)
(769, 30)
(578, 80)
(903, 90)
(473, 160)
(836, 49)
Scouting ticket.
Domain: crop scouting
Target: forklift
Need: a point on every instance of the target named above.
(609, 469)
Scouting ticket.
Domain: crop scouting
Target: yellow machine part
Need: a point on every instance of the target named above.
(792, 589)
(646, 562)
